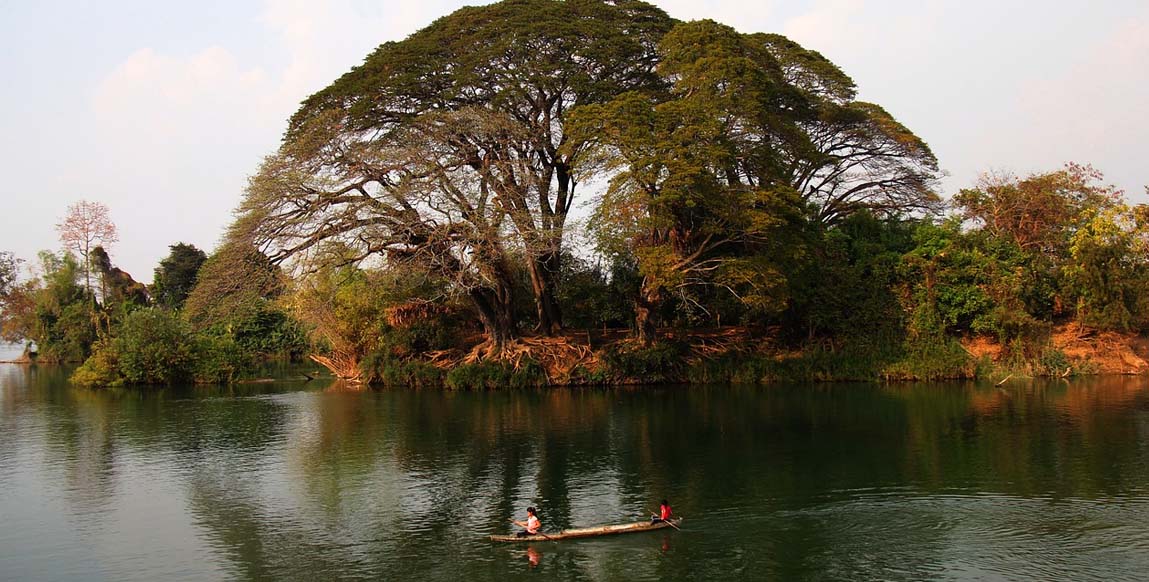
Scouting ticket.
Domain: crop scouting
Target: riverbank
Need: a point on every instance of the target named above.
(747, 356)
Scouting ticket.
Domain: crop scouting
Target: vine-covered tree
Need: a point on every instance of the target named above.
(440, 145)
(117, 287)
(176, 276)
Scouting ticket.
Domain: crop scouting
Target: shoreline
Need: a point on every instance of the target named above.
(740, 356)
(737, 356)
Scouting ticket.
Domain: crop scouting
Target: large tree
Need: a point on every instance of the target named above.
(523, 64)
(404, 197)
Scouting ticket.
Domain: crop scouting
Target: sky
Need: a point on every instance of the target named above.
(161, 110)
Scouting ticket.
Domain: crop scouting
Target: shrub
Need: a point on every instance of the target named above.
(219, 359)
(491, 375)
(390, 372)
(100, 369)
(662, 362)
(152, 347)
(944, 359)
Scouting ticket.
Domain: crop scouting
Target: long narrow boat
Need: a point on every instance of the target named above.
(589, 532)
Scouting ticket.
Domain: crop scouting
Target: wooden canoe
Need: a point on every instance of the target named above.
(589, 532)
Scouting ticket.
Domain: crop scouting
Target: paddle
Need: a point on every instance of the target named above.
(548, 538)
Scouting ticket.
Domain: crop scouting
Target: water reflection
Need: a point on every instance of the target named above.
(291, 480)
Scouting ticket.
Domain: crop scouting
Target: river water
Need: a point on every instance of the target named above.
(305, 481)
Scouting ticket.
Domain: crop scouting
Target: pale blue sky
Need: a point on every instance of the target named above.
(161, 110)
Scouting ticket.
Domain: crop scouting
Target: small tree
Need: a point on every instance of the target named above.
(85, 226)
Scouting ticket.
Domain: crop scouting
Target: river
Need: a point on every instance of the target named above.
(303, 481)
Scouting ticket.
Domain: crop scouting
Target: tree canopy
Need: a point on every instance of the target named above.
(454, 134)
(176, 276)
(694, 195)
(460, 150)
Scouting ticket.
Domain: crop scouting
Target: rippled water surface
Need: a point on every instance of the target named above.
(304, 481)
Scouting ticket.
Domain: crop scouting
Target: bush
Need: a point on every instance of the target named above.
(264, 329)
(152, 347)
(219, 359)
(854, 363)
(100, 369)
(661, 362)
(944, 359)
(393, 372)
(491, 375)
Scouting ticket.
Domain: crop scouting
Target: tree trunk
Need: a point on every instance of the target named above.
(646, 312)
(496, 315)
(544, 270)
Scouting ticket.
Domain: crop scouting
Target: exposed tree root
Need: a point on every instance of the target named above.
(407, 314)
(557, 356)
(343, 366)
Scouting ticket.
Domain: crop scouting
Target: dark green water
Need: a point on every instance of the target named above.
(845, 482)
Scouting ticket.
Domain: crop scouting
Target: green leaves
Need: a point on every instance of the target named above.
(176, 276)
(692, 195)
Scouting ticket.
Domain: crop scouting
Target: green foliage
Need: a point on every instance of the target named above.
(816, 363)
(694, 197)
(495, 375)
(846, 287)
(845, 156)
(54, 310)
(101, 369)
(933, 359)
(661, 362)
(594, 295)
(380, 318)
(410, 374)
(584, 376)
(236, 282)
(1108, 272)
(265, 329)
(152, 347)
(972, 282)
(219, 359)
(236, 296)
(176, 276)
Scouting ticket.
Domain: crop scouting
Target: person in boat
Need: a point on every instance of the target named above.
(531, 526)
(664, 513)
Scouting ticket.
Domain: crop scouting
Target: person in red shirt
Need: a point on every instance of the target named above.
(664, 513)
(531, 526)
